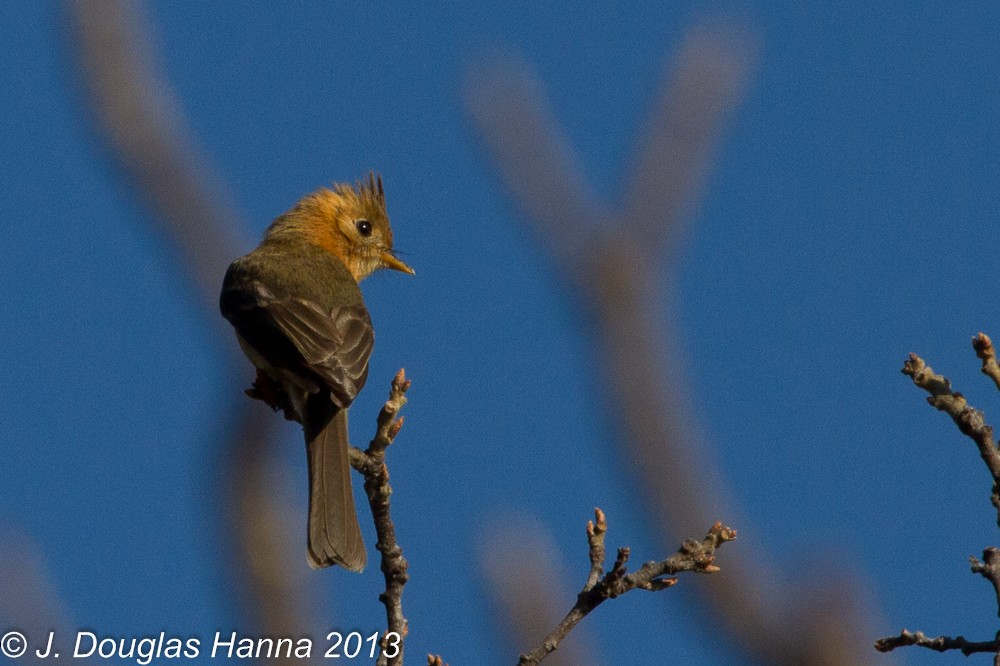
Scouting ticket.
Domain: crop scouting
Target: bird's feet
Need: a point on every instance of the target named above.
(269, 392)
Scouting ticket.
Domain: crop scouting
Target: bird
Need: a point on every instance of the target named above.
(299, 316)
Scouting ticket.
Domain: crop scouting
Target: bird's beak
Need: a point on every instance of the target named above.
(389, 261)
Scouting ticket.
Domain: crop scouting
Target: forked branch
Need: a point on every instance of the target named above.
(693, 555)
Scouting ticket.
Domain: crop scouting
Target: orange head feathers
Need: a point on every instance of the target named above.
(349, 222)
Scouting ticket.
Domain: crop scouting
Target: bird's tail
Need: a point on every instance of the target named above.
(334, 533)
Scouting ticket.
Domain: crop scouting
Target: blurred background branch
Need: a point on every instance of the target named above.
(622, 266)
(142, 124)
(30, 602)
(529, 585)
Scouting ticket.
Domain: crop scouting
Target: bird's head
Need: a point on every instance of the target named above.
(350, 222)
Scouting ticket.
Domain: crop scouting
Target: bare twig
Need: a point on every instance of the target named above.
(989, 568)
(371, 464)
(695, 556)
(596, 529)
(968, 419)
(938, 644)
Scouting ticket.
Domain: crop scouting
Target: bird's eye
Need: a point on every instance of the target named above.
(364, 227)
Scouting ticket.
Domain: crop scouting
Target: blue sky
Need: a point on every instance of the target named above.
(849, 219)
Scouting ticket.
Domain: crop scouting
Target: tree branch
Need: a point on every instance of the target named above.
(969, 420)
(989, 568)
(696, 556)
(938, 644)
(371, 464)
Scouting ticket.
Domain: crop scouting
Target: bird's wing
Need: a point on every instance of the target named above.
(298, 335)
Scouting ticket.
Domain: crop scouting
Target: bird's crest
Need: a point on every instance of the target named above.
(369, 193)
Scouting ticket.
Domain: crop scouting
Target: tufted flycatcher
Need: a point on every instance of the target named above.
(300, 318)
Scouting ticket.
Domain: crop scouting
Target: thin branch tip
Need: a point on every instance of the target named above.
(986, 352)
(913, 365)
(722, 533)
(982, 344)
(600, 521)
(400, 384)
